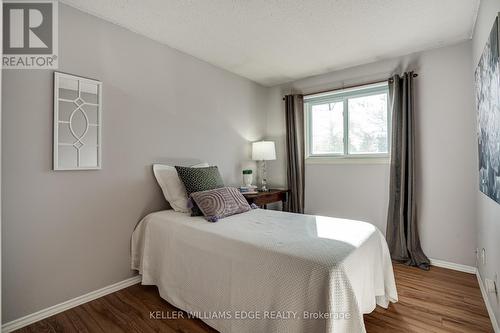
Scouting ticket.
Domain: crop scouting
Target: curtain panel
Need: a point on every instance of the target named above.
(295, 146)
(402, 223)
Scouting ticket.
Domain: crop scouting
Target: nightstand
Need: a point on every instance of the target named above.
(262, 199)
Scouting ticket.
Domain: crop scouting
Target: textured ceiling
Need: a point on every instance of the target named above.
(276, 41)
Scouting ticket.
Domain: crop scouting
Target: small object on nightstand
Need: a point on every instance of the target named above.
(252, 189)
(262, 199)
(247, 177)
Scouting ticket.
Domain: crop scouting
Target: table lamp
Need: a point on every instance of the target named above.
(263, 151)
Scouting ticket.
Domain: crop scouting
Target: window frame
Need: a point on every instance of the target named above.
(344, 95)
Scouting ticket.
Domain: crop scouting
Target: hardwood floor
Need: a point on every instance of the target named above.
(439, 300)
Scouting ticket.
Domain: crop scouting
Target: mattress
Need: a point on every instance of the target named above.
(266, 271)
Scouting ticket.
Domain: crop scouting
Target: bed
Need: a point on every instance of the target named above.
(266, 271)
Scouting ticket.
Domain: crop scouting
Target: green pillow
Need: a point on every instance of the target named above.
(199, 179)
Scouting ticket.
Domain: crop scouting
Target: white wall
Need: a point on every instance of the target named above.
(446, 153)
(488, 219)
(67, 233)
(355, 191)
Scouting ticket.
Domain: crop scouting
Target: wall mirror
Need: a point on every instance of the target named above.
(77, 122)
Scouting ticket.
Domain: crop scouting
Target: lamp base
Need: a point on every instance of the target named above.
(263, 177)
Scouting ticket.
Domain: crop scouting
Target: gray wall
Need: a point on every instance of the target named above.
(446, 152)
(1, 48)
(488, 221)
(67, 233)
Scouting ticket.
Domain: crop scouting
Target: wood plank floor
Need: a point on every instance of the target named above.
(439, 300)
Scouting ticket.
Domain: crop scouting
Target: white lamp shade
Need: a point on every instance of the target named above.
(263, 151)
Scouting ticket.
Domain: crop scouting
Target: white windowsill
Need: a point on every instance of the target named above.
(348, 160)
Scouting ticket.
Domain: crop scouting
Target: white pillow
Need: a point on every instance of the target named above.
(172, 186)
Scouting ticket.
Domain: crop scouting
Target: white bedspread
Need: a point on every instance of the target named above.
(280, 268)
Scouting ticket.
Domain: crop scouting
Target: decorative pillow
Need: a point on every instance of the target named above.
(199, 179)
(221, 202)
(172, 187)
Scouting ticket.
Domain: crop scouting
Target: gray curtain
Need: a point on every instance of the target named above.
(294, 107)
(402, 231)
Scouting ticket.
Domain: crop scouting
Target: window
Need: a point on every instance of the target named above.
(348, 123)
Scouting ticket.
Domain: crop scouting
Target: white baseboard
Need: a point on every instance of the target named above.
(39, 315)
(453, 266)
(494, 322)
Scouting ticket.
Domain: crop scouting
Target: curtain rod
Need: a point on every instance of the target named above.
(352, 86)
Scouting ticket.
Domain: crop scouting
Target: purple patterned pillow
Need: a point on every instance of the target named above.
(221, 202)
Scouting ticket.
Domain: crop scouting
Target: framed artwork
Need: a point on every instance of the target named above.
(77, 122)
(487, 97)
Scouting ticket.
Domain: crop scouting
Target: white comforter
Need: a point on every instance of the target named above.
(267, 271)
